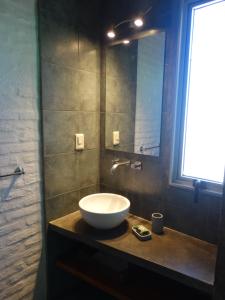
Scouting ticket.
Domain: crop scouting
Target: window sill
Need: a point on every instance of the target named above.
(185, 186)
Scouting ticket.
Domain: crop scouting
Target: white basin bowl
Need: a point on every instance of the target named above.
(103, 210)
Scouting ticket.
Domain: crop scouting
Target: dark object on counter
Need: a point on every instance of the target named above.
(157, 223)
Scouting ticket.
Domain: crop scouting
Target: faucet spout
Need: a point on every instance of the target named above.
(117, 163)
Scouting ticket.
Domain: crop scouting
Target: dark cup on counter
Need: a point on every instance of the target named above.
(157, 223)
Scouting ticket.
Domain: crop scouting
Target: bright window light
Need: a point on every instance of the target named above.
(204, 129)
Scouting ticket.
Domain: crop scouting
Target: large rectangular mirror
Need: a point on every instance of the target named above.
(134, 89)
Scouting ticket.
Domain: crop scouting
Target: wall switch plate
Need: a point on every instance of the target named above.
(79, 141)
(116, 138)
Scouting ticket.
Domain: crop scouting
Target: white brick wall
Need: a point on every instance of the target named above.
(149, 93)
(20, 201)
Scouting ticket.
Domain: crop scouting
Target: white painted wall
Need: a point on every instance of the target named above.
(20, 197)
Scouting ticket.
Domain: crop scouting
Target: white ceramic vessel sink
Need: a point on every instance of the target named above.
(104, 211)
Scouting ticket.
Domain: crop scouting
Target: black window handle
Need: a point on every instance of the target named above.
(197, 185)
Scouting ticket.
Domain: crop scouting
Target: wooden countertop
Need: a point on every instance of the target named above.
(173, 254)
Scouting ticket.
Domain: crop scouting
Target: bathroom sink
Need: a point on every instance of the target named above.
(103, 210)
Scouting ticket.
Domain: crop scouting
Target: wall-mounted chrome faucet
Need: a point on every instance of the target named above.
(137, 165)
(116, 163)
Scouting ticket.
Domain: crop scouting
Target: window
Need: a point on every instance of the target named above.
(200, 136)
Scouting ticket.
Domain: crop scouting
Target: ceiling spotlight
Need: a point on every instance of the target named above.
(138, 22)
(111, 34)
(126, 42)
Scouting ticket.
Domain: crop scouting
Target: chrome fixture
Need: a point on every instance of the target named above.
(18, 171)
(137, 165)
(116, 163)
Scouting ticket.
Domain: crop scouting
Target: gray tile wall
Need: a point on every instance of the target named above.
(149, 190)
(70, 92)
(70, 60)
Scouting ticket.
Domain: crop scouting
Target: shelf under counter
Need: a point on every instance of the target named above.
(137, 283)
(174, 255)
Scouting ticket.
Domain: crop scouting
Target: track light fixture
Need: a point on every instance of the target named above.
(137, 22)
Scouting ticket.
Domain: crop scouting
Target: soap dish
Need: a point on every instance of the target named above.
(141, 237)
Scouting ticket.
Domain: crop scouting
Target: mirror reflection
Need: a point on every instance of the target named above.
(134, 87)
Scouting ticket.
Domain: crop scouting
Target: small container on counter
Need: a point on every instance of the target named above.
(157, 223)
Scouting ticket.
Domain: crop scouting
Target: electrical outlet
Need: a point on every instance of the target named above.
(116, 138)
(79, 141)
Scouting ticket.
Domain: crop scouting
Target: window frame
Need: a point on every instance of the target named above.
(184, 39)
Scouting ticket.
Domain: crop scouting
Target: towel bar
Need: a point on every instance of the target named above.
(18, 171)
